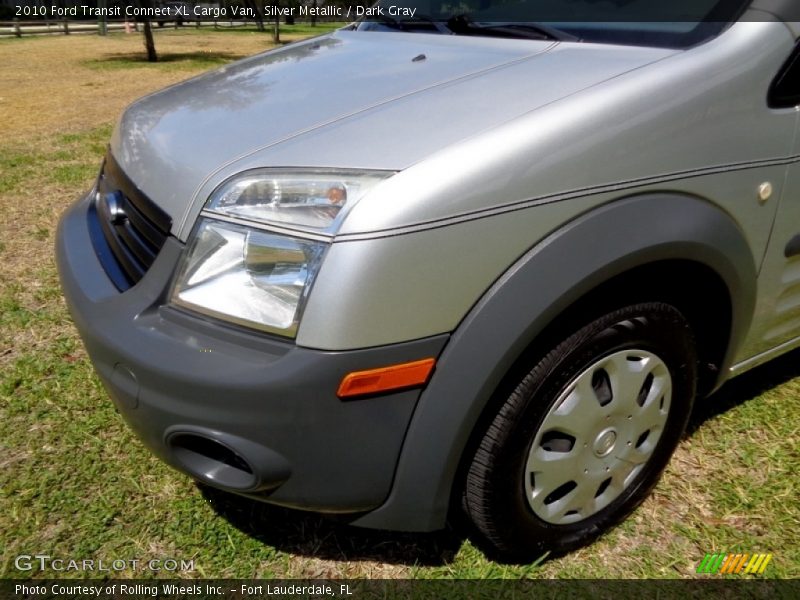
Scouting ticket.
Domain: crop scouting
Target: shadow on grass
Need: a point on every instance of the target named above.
(746, 387)
(311, 534)
(189, 59)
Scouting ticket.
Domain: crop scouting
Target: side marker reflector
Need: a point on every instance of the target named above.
(386, 379)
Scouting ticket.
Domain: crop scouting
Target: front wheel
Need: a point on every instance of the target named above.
(585, 434)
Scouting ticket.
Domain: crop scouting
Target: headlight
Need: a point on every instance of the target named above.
(258, 278)
(304, 198)
(247, 276)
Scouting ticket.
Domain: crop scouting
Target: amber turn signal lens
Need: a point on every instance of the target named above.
(386, 379)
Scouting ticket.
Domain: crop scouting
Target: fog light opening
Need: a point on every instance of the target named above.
(212, 462)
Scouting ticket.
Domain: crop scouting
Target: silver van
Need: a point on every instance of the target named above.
(451, 261)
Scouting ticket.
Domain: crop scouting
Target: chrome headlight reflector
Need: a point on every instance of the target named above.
(309, 199)
(247, 276)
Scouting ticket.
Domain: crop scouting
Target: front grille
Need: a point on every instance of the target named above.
(127, 229)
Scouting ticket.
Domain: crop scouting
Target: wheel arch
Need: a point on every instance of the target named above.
(694, 288)
(660, 243)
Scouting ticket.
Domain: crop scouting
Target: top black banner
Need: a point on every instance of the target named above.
(413, 13)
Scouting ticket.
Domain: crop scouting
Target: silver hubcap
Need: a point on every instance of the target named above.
(598, 436)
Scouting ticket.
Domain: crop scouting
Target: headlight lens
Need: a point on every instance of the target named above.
(253, 277)
(247, 276)
(307, 199)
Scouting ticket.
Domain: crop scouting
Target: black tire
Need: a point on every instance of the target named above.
(500, 479)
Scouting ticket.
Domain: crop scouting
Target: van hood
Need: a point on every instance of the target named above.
(356, 100)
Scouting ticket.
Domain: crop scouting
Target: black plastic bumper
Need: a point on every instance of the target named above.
(235, 409)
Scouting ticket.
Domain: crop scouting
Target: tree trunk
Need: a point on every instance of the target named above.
(149, 44)
(256, 7)
(276, 31)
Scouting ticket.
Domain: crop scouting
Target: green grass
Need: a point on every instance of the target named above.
(167, 62)
(71, 161)
(74, 481)
(304, 29)
(200, 60)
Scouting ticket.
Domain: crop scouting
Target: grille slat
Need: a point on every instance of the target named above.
(133, 269)
(128, 229)
(135, 244)
(152, 213)
(149, 233)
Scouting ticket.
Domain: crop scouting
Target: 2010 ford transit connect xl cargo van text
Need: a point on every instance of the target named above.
(450, 261)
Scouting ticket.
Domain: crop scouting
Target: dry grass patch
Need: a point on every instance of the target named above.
(52, 84)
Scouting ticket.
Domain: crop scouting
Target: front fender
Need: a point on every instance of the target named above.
(556, 272)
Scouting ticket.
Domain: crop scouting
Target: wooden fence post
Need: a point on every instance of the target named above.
(66, 26)
(17, 30)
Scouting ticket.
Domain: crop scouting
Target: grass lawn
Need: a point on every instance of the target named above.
(75, 483)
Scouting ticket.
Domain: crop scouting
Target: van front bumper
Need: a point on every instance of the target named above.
(235, 409)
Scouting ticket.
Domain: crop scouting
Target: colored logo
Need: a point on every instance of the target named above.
(734, 564)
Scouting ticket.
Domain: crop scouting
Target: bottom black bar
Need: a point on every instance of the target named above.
(363, 589)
